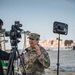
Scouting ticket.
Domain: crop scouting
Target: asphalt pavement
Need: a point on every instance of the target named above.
(54, 72)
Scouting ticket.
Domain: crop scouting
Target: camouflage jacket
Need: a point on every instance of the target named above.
(36, 64)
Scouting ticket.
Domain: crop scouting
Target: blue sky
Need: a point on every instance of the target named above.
(38, 16)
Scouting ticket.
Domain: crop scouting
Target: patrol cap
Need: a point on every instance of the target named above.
(34, 36)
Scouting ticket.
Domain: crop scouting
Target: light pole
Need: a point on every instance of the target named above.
(2, 34)
(4, 41)
(26, 33)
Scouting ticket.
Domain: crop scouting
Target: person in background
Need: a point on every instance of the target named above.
(36, 59)
(3, 55)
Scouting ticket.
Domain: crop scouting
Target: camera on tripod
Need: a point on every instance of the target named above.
(60, 28)
(14, 33)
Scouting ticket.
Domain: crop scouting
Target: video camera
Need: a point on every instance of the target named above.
(60, 28)
(14, 33)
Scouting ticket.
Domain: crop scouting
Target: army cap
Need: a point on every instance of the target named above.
(34, 36)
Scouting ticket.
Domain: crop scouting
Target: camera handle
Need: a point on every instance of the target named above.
(58, 54)
(10, 69)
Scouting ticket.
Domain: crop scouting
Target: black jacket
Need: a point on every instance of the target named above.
(3, 56)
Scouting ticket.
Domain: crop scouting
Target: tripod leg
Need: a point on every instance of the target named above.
(22, 63)
(10, 64)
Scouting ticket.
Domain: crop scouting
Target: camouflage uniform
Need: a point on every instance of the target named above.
(36, 64)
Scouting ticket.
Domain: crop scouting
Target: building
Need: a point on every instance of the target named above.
(54, 42)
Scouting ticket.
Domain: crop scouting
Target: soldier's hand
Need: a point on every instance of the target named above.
(28, 72)
(37, 50)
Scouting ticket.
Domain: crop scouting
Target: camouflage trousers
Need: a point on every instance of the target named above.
(37, 73)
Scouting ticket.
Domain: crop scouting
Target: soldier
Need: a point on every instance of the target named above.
(36, 58)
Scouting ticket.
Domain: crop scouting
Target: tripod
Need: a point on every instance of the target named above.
(10, 69)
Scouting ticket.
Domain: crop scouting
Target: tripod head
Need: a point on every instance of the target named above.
(14, 33)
